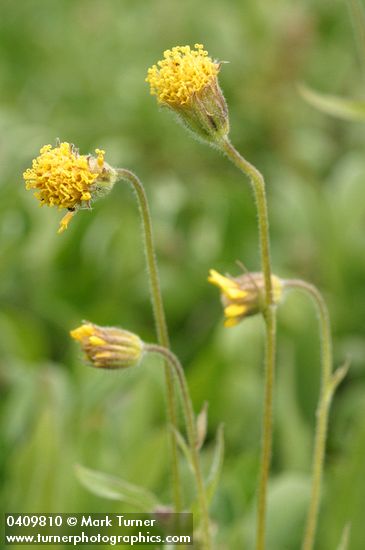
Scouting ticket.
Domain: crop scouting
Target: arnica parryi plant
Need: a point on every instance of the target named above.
(62, 177)
(214, 125)
(186, 82)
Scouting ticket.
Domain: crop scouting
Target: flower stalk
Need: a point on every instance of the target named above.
(186, 82)
(258, 186)
(191, 430)
(116, 348)
(62, 177)
(160, 321)
(329, 383)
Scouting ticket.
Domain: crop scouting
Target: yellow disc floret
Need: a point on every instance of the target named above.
(182, 73)
(62, 177)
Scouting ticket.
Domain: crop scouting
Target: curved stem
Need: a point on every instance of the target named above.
(192, 436)
(328, 386)
(258, 186)
(160, 320)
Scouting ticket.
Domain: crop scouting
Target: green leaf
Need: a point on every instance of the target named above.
(217, 463)
(214, 474)
(347, 109)
(287, 506)
(339, 375)
(182, 444)
(114, 488)
(345, 539)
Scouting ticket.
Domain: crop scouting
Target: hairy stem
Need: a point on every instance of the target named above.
(258, 186)
(160, 322)
(328, 386)
(192, 436)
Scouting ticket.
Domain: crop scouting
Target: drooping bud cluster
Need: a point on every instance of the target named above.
(244, 295)
(109, 347)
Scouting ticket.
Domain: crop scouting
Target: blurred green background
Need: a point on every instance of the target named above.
(75, 69)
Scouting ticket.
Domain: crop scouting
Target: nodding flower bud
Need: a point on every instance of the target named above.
(186, 82)
(109, 347)
(243, 296)
(64, 178)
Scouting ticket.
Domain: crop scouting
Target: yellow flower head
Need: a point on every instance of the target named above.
(64, 178)
(186, 81)
(108, 347)
(181, 74)
(242, 296)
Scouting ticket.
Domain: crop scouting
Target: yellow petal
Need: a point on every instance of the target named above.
(277, 287)
(235, 293)
(100, 157)
(220, 281)
(96, 341)
(231, 322)
(235, 310)
(81, 332)
(65, 221)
